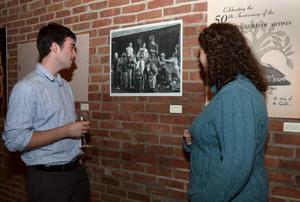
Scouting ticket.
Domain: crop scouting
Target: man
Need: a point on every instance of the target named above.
(153, 49)
(116, 70)
(129, 50)
(41, 123)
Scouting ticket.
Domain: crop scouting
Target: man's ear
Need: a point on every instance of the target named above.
(54, 47)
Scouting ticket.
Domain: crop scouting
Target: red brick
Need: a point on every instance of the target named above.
(133, 187)
(79, 9)
(158, 3)
(277, 176)
(191, 42)
(285, 164)
(39, 11)
(157, 128)
(177, 10)
(145, 117)
(173, 119)
(101, 115)
(118, 3)
(110, 12)
(169, 140)
(110, 154)
(171, 183)
(117, 192)
(55, 7)
(36, 4)
(133, 167)
(149, 15)
(32, 21)
(19, 23)
(138, 196)
(47, 17)
(279, 151)
(72, 3)
(88, 16)
(94, 96)
(98, 41)
(146, 138)
(110, 106)
(162, 108)
(127, 107)
(133, 126)
(94, 106)
(101, 23)
(287, 139)
(275, 125)
(195, 76)
(191, 64)
(144, 158)
(122, 117)
(160, 150)
(134, 8)
(192, 18)
(287, 192)
(271, 199)
(110, 198)
(134, 147)
(12, 3)
(193, 87)
(108, 124)
(200, 7)
(124, 19)
(184, 175)
(98, 6)
(297, 153)
(63, 13)
(180, 195)
(159, 171)
(143, 178)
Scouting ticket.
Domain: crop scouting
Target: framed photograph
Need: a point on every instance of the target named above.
(3, 73)
(146, 60)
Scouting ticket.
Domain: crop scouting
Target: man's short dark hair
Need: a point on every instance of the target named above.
(50, 33)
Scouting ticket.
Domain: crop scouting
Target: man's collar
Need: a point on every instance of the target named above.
(43, 71)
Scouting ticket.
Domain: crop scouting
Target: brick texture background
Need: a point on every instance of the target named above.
(138, 155)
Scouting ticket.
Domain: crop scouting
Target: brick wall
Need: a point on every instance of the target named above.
(138, 155)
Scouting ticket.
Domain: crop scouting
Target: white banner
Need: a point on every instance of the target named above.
(272, 28)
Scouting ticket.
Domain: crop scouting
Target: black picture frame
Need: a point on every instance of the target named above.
(156, 71)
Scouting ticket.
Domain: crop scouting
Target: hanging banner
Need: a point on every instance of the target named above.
(272, 29)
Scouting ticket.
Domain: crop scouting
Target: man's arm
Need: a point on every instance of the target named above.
(19, 132)
(71, 130)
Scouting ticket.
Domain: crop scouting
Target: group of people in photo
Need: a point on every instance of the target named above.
(145, 70)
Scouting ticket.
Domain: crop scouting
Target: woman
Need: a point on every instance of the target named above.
(226, 141)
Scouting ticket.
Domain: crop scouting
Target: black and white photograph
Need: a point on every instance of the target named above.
(3, 73)
(146, 60)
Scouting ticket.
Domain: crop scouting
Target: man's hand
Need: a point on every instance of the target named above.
(77, 129)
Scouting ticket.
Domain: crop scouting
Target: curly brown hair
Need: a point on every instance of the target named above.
(228, 55)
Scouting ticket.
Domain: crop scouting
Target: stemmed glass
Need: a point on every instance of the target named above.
(83, 116)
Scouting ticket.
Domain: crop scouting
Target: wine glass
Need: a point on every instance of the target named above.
(83, 116)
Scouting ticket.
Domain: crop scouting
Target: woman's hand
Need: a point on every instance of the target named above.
(187, 137)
